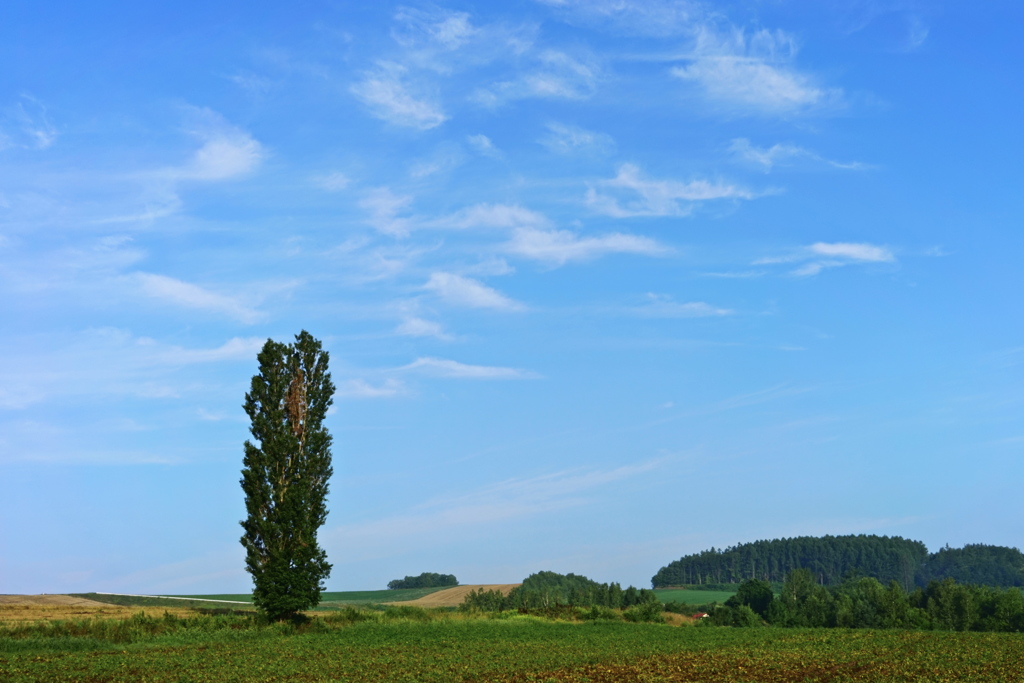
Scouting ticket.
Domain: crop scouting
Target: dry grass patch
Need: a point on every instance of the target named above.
(26, 609)
(453, 597)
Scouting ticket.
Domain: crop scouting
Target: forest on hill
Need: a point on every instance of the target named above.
(831, 559)
(425, 580)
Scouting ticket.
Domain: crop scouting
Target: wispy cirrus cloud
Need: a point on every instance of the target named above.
(226, 151)
(752, 71)
(783, 154)
(384, 207)
(566, 139)
(561, 246)
(414, 326)
(657, 18)
(747, 70)
(101, 362)
(664, 306)
(907, 22)
(556, 75)
(26, 124)
(823, 255)
(444, 41)
(484, 145)
(441, 367)
(332, 182)
(501, 501)
(469, 293)
(444, 159)
(505, 216)
(389, 96)
(631, 194)
(188, 295)
(360, 388)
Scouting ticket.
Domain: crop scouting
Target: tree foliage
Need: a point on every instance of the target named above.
(285, 476)
(864, 602)
(545, 590)
(425, 580)
(833, 559)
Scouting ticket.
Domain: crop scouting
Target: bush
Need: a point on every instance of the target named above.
(647, 611)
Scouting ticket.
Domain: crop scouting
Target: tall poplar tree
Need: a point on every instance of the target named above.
(285, 476)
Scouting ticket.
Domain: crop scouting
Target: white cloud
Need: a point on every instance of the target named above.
(360, 388)
(507, 216)
(26, 124)
(464, 291)
(823, 255)
(659, 18)
(557, 75)
(384, 206)
(102, 362)
(752, 72)
(483, 145)
(565, 139)
(917, 33)
(444, 159)
(388, 214)
(853, 251)
(633, 195)
(663, 306)
(223, 157)
(192, 296)
(561, 246)
(444, 41)
(389, 98)
(418, 327)
(236, 348)
(434, 28)
(778, 154)
(439, 367)
(226, 151)
(332, 182)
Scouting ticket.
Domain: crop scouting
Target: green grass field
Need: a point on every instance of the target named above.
(692, 597)
(416, 645)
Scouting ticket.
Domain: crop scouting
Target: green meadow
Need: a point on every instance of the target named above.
(692, 597)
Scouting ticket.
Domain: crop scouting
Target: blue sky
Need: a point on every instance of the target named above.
(603, 283)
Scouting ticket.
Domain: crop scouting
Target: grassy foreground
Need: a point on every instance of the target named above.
(408, 644)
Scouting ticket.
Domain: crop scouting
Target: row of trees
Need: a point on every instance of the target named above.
(831, 559)
(549, 589)
(866, 603)
(425, 580)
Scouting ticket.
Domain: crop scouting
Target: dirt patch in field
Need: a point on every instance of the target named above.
(453, 597)
(48, 600)
(18, 609)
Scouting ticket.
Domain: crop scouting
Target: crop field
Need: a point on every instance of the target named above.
(408, 644)
(692, 597)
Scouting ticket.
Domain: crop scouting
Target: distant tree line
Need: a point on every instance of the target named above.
(549, 589)
(865, 603)
(425, 580)
(832, 559)
(987, 565)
